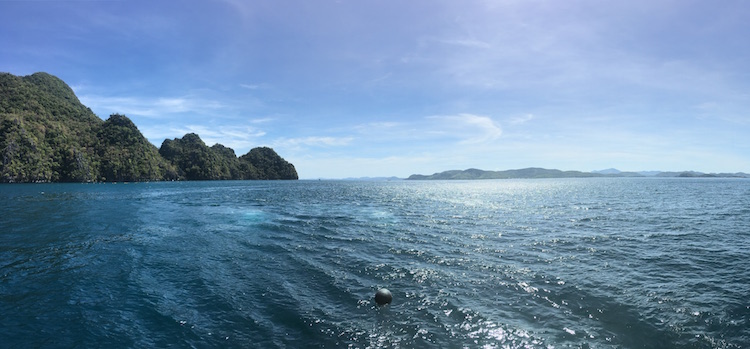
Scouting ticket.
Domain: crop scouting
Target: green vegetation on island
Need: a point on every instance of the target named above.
(126, 155)
(196, 161)
(47, 135)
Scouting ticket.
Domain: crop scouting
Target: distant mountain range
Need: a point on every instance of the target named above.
(536, 172)
(617, 173)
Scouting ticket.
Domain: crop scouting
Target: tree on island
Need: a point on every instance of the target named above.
(47, 135)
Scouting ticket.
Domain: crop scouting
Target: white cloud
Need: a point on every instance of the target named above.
(159, 107)
(254, 86)
(122, 105)
(521, 119)
(173, 105)
(262, 120)
(381, 126)
(313, 142)
(469, 43)
(464, 128)
(469, 128)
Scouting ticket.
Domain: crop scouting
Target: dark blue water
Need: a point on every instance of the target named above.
(568, 263)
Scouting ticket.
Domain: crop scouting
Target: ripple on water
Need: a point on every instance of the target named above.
(603, 263)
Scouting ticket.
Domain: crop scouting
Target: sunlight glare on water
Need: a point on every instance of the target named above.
(589, 263)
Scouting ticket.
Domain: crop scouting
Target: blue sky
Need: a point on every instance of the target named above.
(393, 88)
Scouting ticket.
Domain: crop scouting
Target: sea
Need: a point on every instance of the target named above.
(521, 263)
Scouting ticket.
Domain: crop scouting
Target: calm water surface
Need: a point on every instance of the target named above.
(560, 263)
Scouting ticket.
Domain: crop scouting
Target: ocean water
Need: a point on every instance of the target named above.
(558, 263)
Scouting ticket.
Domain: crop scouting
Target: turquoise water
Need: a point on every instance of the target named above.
(559, 263)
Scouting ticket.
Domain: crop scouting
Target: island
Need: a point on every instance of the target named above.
(536, 172)
(48, 135)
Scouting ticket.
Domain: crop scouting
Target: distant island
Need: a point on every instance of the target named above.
(535, 172)
(47, 135)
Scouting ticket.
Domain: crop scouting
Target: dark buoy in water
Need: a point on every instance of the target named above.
(383, 296)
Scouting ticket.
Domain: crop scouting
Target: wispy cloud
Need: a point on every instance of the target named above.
(463, 128)
(465, 42)
(262, 120)
(378, 126)
(159, 107)
(313, 142)
(468, 128)
(254, 86)
(223, 133)
(521, 119)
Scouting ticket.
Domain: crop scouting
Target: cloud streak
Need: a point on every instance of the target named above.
(314, 142)
(159, 107)
(468, 128)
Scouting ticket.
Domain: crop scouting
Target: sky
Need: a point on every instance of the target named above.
(368, 88)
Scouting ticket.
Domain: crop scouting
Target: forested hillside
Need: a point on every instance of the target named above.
(196, 161)
(47, 135)
(126, 155)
